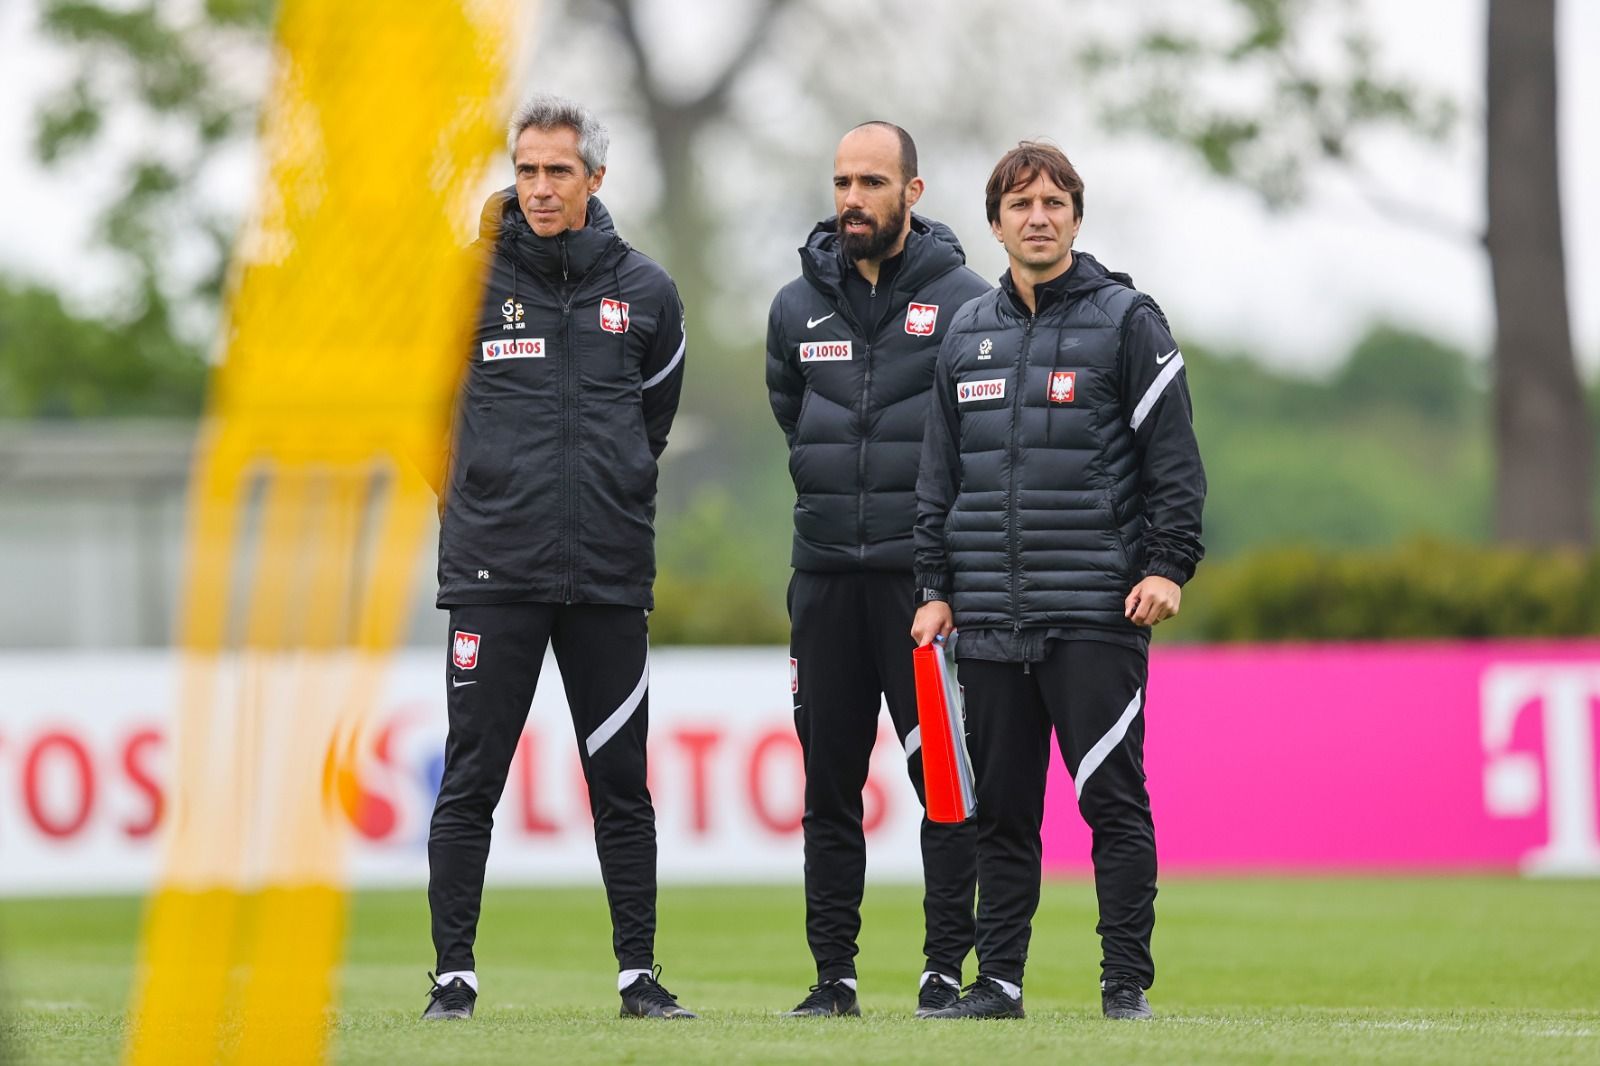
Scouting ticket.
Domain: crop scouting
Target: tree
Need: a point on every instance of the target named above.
(1295, 114)
(1542, 428)
(179, 77)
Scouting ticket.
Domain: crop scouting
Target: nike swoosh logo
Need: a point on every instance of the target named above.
(1163, 358)
(813, 323)
(458, 683)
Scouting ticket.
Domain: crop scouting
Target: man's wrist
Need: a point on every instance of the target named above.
(926, 595)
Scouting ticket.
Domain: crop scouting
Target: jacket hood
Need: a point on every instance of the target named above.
(501, 205)
(567, 256)
(931, 250)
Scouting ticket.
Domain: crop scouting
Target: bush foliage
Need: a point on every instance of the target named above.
(1423, 589)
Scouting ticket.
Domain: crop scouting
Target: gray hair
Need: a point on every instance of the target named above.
(547, 112)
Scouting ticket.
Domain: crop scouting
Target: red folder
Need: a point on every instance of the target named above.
(946, 766)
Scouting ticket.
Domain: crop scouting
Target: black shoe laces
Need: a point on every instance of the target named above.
(654, 993)
(824, 994)
(937, 991)
(985, 988)
(1123, 994)
(457, 995)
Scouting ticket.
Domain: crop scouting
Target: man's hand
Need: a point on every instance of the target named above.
(1153, 600)
(933, 620)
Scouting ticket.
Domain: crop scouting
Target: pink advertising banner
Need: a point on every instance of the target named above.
(1365, 757)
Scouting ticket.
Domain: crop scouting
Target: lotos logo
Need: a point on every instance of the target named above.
(465, 654)
(920, 319)
(613, 316)
(987, 389)
(794, 676)
(825, 352)
(1063, 386)
(521, 348)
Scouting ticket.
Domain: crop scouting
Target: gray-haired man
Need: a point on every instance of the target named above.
(547, 535)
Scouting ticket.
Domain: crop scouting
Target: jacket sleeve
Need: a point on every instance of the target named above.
(786, 386)
(938, 478)
(1155, 393)
(663, 372)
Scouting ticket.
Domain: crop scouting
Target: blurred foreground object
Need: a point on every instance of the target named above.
(305, 513)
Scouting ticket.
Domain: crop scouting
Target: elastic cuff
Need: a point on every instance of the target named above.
(1172, 571)
(835, 973)
(931, 579)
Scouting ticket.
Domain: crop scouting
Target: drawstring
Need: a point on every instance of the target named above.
(622, 338)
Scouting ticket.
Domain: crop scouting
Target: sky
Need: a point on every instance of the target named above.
(1295, 289)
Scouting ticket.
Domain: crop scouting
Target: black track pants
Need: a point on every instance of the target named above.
(851, 642)
(1092, 693)
(602, 652)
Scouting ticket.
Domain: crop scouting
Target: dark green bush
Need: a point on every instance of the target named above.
(1419, 590)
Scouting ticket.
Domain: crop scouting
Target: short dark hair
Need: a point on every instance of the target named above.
(908, 147)
(1026, 162)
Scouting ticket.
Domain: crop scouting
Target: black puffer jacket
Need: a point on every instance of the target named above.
(852, 397)
(576, 365)
(1060, 464)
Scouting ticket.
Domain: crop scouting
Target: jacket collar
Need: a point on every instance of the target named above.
(567, 256)
(931, 251)
(1086, 275)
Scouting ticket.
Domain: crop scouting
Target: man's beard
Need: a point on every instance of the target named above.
(876, 242)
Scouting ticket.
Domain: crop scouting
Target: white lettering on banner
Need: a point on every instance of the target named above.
(1514, 782)
(517, 348)
(987, 389)
(91, 801)
(825, 352)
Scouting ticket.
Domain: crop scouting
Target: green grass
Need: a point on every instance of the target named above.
(1338, 970)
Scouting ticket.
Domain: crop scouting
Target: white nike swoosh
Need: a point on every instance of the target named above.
(1163, 358)
(813, 323)
(458, 683)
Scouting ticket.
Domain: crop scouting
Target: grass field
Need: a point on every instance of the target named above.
(1402, 970)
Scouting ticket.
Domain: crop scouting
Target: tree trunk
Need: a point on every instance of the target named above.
(1542, 445)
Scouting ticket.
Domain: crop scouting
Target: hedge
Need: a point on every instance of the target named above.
(1416, 591)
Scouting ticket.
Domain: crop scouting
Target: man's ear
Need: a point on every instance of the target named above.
(595, 179)
(914, 190)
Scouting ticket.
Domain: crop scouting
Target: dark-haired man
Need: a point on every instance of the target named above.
(547, 539)
(850, 349)
(1058, 516)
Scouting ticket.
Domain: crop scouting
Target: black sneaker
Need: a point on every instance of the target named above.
(648, 998)
(827, 998)
(448, 1002)
(1122, 999)
(982, 999)
(937, 994)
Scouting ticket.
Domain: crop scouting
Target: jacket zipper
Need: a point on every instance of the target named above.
(569, 438)
(1013, 545)
(861, 456)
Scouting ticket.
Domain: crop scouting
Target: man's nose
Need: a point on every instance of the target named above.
(1038, 216)
(852, 195)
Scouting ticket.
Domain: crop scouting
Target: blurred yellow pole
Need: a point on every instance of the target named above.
(346, 328)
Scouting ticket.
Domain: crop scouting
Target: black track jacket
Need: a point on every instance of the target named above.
(852, 397)
(576, 365)
(1060, 465)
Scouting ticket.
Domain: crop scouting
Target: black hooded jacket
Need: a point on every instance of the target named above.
(852, 396)
(575, 368)
(1060, 465)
